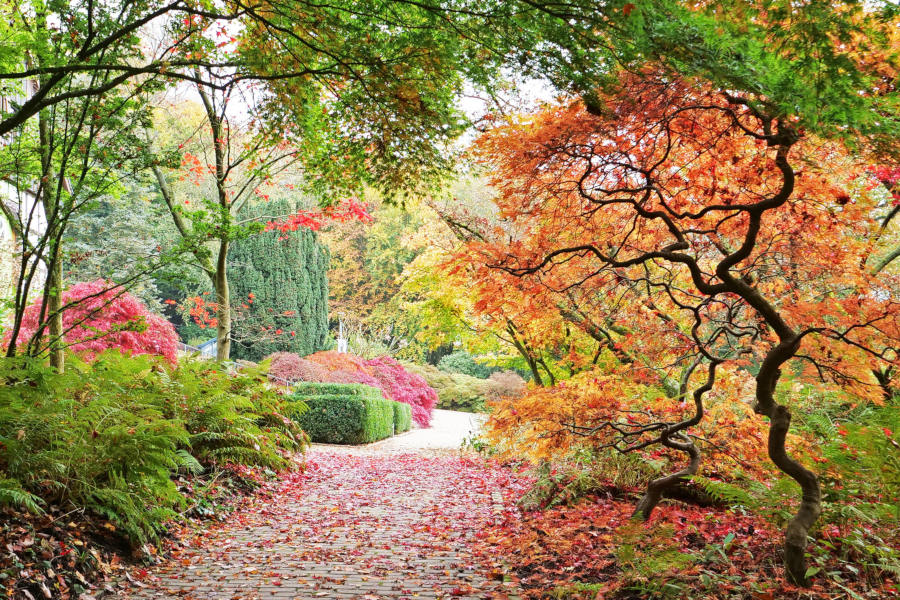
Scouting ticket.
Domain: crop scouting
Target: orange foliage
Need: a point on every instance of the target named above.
(636, 212)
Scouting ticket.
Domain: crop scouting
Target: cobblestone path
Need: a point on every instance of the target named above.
(359, 523)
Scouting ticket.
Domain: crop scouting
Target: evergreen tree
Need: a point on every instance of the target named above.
(279, 283)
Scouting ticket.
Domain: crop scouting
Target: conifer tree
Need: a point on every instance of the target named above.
(280, 286)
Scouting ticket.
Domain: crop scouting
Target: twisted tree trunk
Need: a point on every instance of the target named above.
(658, 487)
(797, 531)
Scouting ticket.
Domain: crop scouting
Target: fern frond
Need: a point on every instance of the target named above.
(13, 494)
(724, 492)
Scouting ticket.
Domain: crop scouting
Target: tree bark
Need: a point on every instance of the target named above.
(223, 302)
(797, 531)
(659, 486)
(53, 286)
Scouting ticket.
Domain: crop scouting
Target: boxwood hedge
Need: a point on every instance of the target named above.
(345, 413)
(402, 417)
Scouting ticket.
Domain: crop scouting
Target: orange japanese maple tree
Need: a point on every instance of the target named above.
(740, 243)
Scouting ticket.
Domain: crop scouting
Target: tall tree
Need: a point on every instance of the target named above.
(280, 281)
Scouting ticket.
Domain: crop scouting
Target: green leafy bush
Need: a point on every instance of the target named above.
(233, 418)
(457, 391)
(341, 389)
(463, 362)
(402, 417)
(107, 436)
(344, 413)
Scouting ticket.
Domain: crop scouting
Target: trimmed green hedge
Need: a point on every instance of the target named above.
(345, 413)
(402, 417)
(343, 389)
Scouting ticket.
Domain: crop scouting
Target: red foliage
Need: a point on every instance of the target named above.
(583, 543)
(349, 210)
(292, 367)
(102, 318)
(402, 386)
(344, 376)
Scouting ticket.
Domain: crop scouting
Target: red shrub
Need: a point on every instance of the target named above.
(342, 376)
(104, 318)
(399, 384)
(290, 366)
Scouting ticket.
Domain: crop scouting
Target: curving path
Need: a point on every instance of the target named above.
(394, 519)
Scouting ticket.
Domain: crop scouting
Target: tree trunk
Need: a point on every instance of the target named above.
(54, 306)
(658, 487)
(223, 301)
(49, 196)
(797, 532)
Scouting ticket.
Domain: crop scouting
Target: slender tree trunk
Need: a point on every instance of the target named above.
(676, 438)
(53, 286)
(797, 531)
(54, 310)
(223, 300)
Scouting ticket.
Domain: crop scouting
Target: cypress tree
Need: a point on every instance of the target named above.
(287, 275)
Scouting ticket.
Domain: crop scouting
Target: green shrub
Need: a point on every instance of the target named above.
(345, 413)
(463, 362)
(343, 389)
(456, 391)
(107, 436)
(402, 417)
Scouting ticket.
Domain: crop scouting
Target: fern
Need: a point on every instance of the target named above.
(12, 494)
(188, 462)
(109, 435)
(727, 493)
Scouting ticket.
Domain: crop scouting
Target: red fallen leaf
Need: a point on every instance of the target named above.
(626, 10)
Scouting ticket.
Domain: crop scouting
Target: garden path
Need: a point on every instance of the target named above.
(394, 519)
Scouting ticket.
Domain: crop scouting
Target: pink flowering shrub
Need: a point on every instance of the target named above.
(104, 318)
(343, 376)
(399, 384)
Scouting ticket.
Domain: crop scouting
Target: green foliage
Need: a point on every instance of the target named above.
(286, 273)
(457, 391)
(345, 413)
(463, 362)
(120, 239)
(647, 555)
(583, 473)
(402, 417)
(726, 493)
(13, 494)
(233, 418)
(339, 389)
(107, 436)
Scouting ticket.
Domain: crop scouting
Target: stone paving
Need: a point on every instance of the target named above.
(389, 520)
